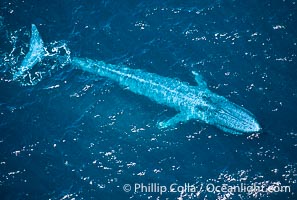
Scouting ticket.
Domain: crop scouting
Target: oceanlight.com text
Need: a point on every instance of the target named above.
(209, 187)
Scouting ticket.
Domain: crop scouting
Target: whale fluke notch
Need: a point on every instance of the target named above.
(35, 54)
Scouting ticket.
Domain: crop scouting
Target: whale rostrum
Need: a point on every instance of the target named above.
(191, 102)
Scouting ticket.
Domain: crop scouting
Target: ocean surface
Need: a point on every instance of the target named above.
(69, 134)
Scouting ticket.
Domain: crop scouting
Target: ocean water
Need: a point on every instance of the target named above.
(68, 134)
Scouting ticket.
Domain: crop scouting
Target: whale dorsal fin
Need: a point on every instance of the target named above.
(199, 79)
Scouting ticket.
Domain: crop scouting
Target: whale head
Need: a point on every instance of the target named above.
(234, 119)
(228, 116)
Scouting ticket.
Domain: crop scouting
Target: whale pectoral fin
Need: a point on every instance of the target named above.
(199, 79)
(180, 117)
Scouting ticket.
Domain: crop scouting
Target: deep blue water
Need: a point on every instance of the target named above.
(72, 135)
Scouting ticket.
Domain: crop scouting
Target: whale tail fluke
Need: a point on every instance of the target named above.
(35, 54)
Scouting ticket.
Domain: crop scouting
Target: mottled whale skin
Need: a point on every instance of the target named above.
(192, 102)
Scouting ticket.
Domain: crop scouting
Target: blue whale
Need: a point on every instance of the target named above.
(191, 102)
